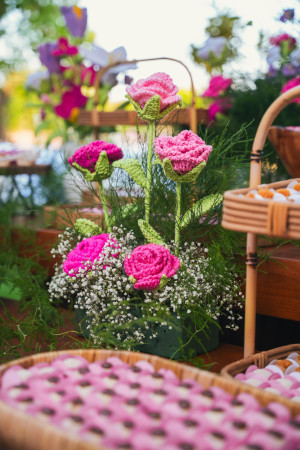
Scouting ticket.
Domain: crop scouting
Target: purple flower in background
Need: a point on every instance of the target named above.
(288, 70)
(273, 55)
(63, 48)
(46, 57)
(288, 14)
(295, 58)
(214, 45)
(76, 19)
(70, 101)
(272, 72)
(100, 57)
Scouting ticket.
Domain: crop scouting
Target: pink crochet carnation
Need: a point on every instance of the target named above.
(88, 155)
(276, 40)
(185, 151)
(290, 85)
(217, 86)
(148, 263)
(86, 252)
(157, 84)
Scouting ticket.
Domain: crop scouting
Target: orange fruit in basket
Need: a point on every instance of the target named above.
(266, 193)
(283, 364)
(284, 192)
(297, 187)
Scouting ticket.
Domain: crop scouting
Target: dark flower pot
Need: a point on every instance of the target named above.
(175, 343)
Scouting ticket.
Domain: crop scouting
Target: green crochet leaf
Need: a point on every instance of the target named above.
(103, 169)
(89, 176)
(200, 208)
(134, 169)
(151, 112)
(163, 281)
(150, 234)
(87, 228)
(187, 177)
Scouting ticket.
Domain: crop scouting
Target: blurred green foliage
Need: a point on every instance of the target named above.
(25, 24)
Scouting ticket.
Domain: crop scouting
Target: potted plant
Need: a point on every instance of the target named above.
(160, 296)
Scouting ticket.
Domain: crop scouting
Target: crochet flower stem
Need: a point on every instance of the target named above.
(104, 205)
(149, 172)
(177, 217)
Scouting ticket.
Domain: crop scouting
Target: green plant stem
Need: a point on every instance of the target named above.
(149, 173)
(177, 216)
(104, 206)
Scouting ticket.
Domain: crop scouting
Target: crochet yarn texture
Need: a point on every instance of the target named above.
(154, 97)
(147, 264)
(185, 151)
(87, 252)
(87, 156)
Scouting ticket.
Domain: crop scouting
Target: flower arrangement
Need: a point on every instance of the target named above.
(71, 66)
(132, 293)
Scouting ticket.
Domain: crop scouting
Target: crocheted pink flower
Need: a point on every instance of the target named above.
(185, 151)
(276, 40)
(148, 263)
(86, 252)
(217, 86)
(88, 155)
(290, 85)
(157, 84)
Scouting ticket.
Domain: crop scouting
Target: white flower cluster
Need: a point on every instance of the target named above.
(121, 316)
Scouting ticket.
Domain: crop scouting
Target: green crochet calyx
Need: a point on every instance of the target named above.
(151, 110)
(188, 177)
(103, 169)
(87, 228)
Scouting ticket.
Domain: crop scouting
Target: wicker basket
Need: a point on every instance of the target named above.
(260, 217)
(261, 360)
(264, 217)
(19, 431)
(287, 144)
(191, 116)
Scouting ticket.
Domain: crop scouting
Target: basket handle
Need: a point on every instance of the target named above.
(261, 135)
(106, 68)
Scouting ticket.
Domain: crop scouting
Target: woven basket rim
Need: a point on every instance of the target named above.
(32, 430)
(265, 356)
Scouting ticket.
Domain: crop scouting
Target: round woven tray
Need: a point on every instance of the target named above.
(21, 432)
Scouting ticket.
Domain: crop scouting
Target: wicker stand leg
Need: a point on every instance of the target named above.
(250, 304)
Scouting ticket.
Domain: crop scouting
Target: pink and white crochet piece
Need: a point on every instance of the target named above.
(185, 152)
(148, 264)
(87, 252)
(154, 97)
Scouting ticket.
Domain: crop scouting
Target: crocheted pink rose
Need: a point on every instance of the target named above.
(185, 151)
(86, 252)
(290, 85)
(157, 84)
(217, 86)
(148, 263)
(276, 40)
(88, 155)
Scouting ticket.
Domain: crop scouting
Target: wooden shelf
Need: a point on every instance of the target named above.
(15, 169)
